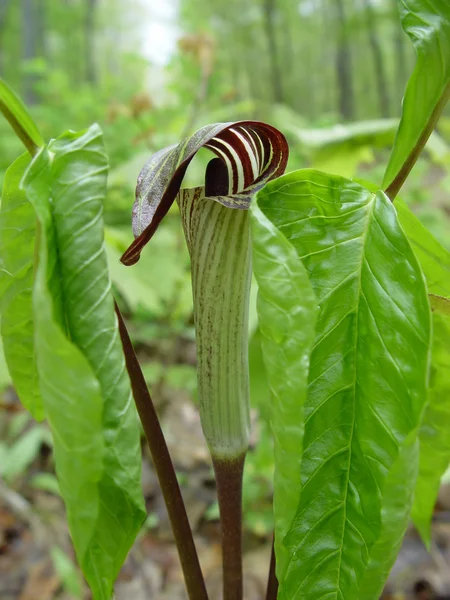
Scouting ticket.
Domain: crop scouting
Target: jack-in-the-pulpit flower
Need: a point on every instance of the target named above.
(215, 222)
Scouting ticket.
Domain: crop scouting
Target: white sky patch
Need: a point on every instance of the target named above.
(160, 30)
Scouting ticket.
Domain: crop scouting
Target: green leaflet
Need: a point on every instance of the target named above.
(427, 23)
(82, 375)
(342, 148)
(5, 378)
(397, 502)
(434, 434)
(433, 258)
(19, 118)
(434, 438)
(287, 311)
(218, 242)
(368, 374)
(17, 231)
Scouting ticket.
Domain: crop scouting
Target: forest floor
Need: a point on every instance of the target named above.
(32, 524)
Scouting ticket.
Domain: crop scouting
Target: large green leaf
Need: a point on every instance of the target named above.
(434, 434)
(82, 374)
(17, 232)
(287, 311)
(427, 23)
(69, 387)
(367, 380)
(19, 118)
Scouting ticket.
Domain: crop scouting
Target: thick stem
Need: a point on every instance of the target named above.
(164, 469)
(393, 189)
(229, 492)
(272, 582)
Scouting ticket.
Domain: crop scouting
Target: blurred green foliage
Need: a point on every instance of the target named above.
(330, 74)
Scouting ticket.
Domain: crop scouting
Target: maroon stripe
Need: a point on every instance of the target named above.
(252, 140)
(255, 135)
(214, 145)
(238, 146)
(157, 188)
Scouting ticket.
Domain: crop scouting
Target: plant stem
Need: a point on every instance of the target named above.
(229, 474)
(18, 129)
(272, 583)
(165, 471)
(393, 189)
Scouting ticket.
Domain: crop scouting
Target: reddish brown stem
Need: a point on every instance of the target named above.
(229, 493)
(176, 510)
(393, 189)
(272, 583)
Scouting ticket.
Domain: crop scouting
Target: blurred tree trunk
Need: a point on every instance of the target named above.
(41, 26)
(378, 61)
(290, 86)
(4, 5)
(401, 62)
(344, 65)
(269, 18)
(89, 31)
(29, 47)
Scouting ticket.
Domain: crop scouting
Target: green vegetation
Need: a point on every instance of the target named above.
(348, 341)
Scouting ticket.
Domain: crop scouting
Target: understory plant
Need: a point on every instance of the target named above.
(354, 316)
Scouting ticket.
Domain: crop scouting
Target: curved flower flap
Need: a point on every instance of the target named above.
(253, 153)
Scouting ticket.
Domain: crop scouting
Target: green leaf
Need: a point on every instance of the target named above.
(434, 434)
(379, 133)
(82, 374)
(259, 385)
(251, 152)
(46, 482)
(397, 502)
(376, 133)
(287, 311)
(18, 117)
(71, 394)
(5, 379)
(18, 423)
(67, 572)
(367, 380)
(23, 452)
(427, 23)
(433, 258)
(17, 233)
(340, 149)
(434, 438)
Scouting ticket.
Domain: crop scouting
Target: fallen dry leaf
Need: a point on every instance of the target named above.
(42, 582)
